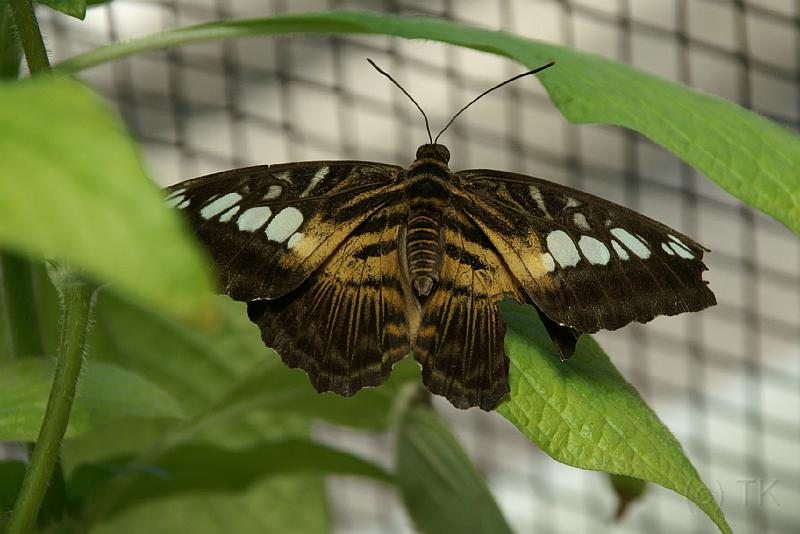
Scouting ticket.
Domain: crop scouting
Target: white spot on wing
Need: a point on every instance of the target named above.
(621, 252)
(253, 219)
(682, 252)
(536, 195)
(273, 192)
(317, 178)
(173, 201)
(572, 203)
(632, 242)
(594, 250)
(228, 215)
(284, 224)
(678, 241)
(219, 205)
(562, 248)
(548, 262)
(177, 192)
(665, 248)
(581, 222)
(184, 204)
(680, 248)
(295, 239)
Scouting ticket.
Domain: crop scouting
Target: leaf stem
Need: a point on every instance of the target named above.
(18, 299)
(29, 35)
(10, 51)
(78, 299)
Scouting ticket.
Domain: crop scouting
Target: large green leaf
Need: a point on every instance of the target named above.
(72, 187)
(188, 469)
(441, 488)
(746, 154)
(106, 393)
(583, 413)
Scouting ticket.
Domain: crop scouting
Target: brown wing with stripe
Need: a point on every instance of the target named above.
(460, 338)
(585, 262)
(268, 228)
(348, 324)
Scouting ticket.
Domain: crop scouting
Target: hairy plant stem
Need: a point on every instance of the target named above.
(78, 301)
(29, 35)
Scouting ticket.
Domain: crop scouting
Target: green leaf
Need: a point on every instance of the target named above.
(73, 8)
(185, 470)
(744, 153)
(583, 413)
(441, 488)
(106, 393)
(72, 187)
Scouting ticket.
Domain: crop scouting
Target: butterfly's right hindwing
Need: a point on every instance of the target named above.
(269, 227)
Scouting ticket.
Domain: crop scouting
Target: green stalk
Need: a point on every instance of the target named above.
(78, 300)
(10, 51)
(29, 35)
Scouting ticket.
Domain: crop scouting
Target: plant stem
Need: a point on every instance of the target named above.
(10, 51)
(18, 299)
(78, 299)
(29, 35)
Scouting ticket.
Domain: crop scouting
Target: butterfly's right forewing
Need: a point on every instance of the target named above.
(268, 228)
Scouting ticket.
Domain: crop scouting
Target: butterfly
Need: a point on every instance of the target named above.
(348, 266)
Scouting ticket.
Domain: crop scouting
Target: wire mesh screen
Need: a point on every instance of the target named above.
(726, 381)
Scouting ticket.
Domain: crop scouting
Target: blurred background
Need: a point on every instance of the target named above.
(726, 381)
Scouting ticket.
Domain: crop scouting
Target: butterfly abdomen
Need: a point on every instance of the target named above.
(427, 198)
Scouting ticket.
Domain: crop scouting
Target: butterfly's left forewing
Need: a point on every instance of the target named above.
(586, 263)
(268, 228)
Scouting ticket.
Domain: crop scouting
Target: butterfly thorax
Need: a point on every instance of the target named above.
(428, 197)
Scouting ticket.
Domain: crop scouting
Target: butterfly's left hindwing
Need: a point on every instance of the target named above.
(586, 263)
(348, 324)
(269, 227)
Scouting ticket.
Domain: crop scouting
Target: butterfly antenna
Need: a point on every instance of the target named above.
(427, 124)
(486, 92)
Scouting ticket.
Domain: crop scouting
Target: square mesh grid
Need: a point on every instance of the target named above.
(726, 381)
